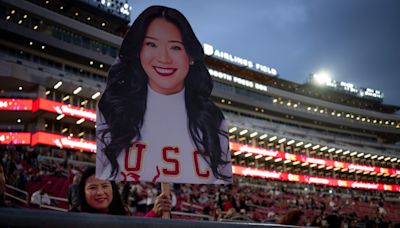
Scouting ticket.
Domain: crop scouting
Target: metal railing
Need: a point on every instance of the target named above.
(12, 217)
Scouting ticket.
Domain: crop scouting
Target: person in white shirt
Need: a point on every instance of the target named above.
(156, 121)
(40, 197)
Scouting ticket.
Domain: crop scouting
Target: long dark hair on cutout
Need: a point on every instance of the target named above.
(123, 102)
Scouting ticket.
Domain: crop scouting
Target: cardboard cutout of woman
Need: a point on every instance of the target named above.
(155, 120)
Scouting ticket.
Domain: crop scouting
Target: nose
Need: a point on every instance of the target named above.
(100, 191)
(164, 56)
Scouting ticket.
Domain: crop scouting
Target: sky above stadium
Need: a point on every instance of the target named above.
(355, 41)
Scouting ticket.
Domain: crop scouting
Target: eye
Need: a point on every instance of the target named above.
(91, 188)
(176, 48)
(150, 44)
(106, 186)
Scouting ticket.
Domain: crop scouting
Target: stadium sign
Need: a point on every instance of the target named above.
(237, 80)
(211, 51)
(15, 104)
(15, 138)
(283, 176)
(346, 87)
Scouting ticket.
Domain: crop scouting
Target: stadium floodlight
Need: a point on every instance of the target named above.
(346, 152)
(313, 165)
(304, 164)
(339, 151)
(243, 132)
(324, 148)
(393, 159)
(307, 145)
(387, 158)
(233, 129)
(263, 136)
(360, 154)
(381, 157)
(258, 156)
(290, 142)
(282, 140)
(322, 78)
(315, 147)
(248, 155)
(96, 95)
(268, 158)
(65, 98)
(367, 156)
(77, 90)
(287, 161)
(336, 169)
(296, 163)
(331, 150)
(81, 120)
(273, 138)
(375, 156)
(57, 85)
(59, 117)
(299, 144)
(278, 160)
(354, 153)
(237, 153)
(253, 134)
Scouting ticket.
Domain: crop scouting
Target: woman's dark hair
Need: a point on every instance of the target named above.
(123, 102)
(293, 217)
(116, 207)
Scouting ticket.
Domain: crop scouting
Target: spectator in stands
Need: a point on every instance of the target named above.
(294, 217)
(102, 196)
(73, 193)
(40, 197)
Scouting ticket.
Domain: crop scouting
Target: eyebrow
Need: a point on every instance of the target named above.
(170, 41)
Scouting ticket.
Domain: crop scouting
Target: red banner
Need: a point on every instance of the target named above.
(66, 109)
(15, 104)
(15, 138)
(310, 160)
(282, 176)
(62, 141)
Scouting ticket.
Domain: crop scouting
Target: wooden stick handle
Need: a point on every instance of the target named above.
(165, 188)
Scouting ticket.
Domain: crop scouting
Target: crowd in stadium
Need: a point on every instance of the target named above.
(247, 199)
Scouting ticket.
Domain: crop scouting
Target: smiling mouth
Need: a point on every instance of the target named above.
(165, 72)
(101, 200)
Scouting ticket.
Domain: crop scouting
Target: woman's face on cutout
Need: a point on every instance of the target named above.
(164, 58)
(98, 193)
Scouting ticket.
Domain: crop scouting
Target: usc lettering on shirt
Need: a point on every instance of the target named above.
(170, 166)
(165, 152)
